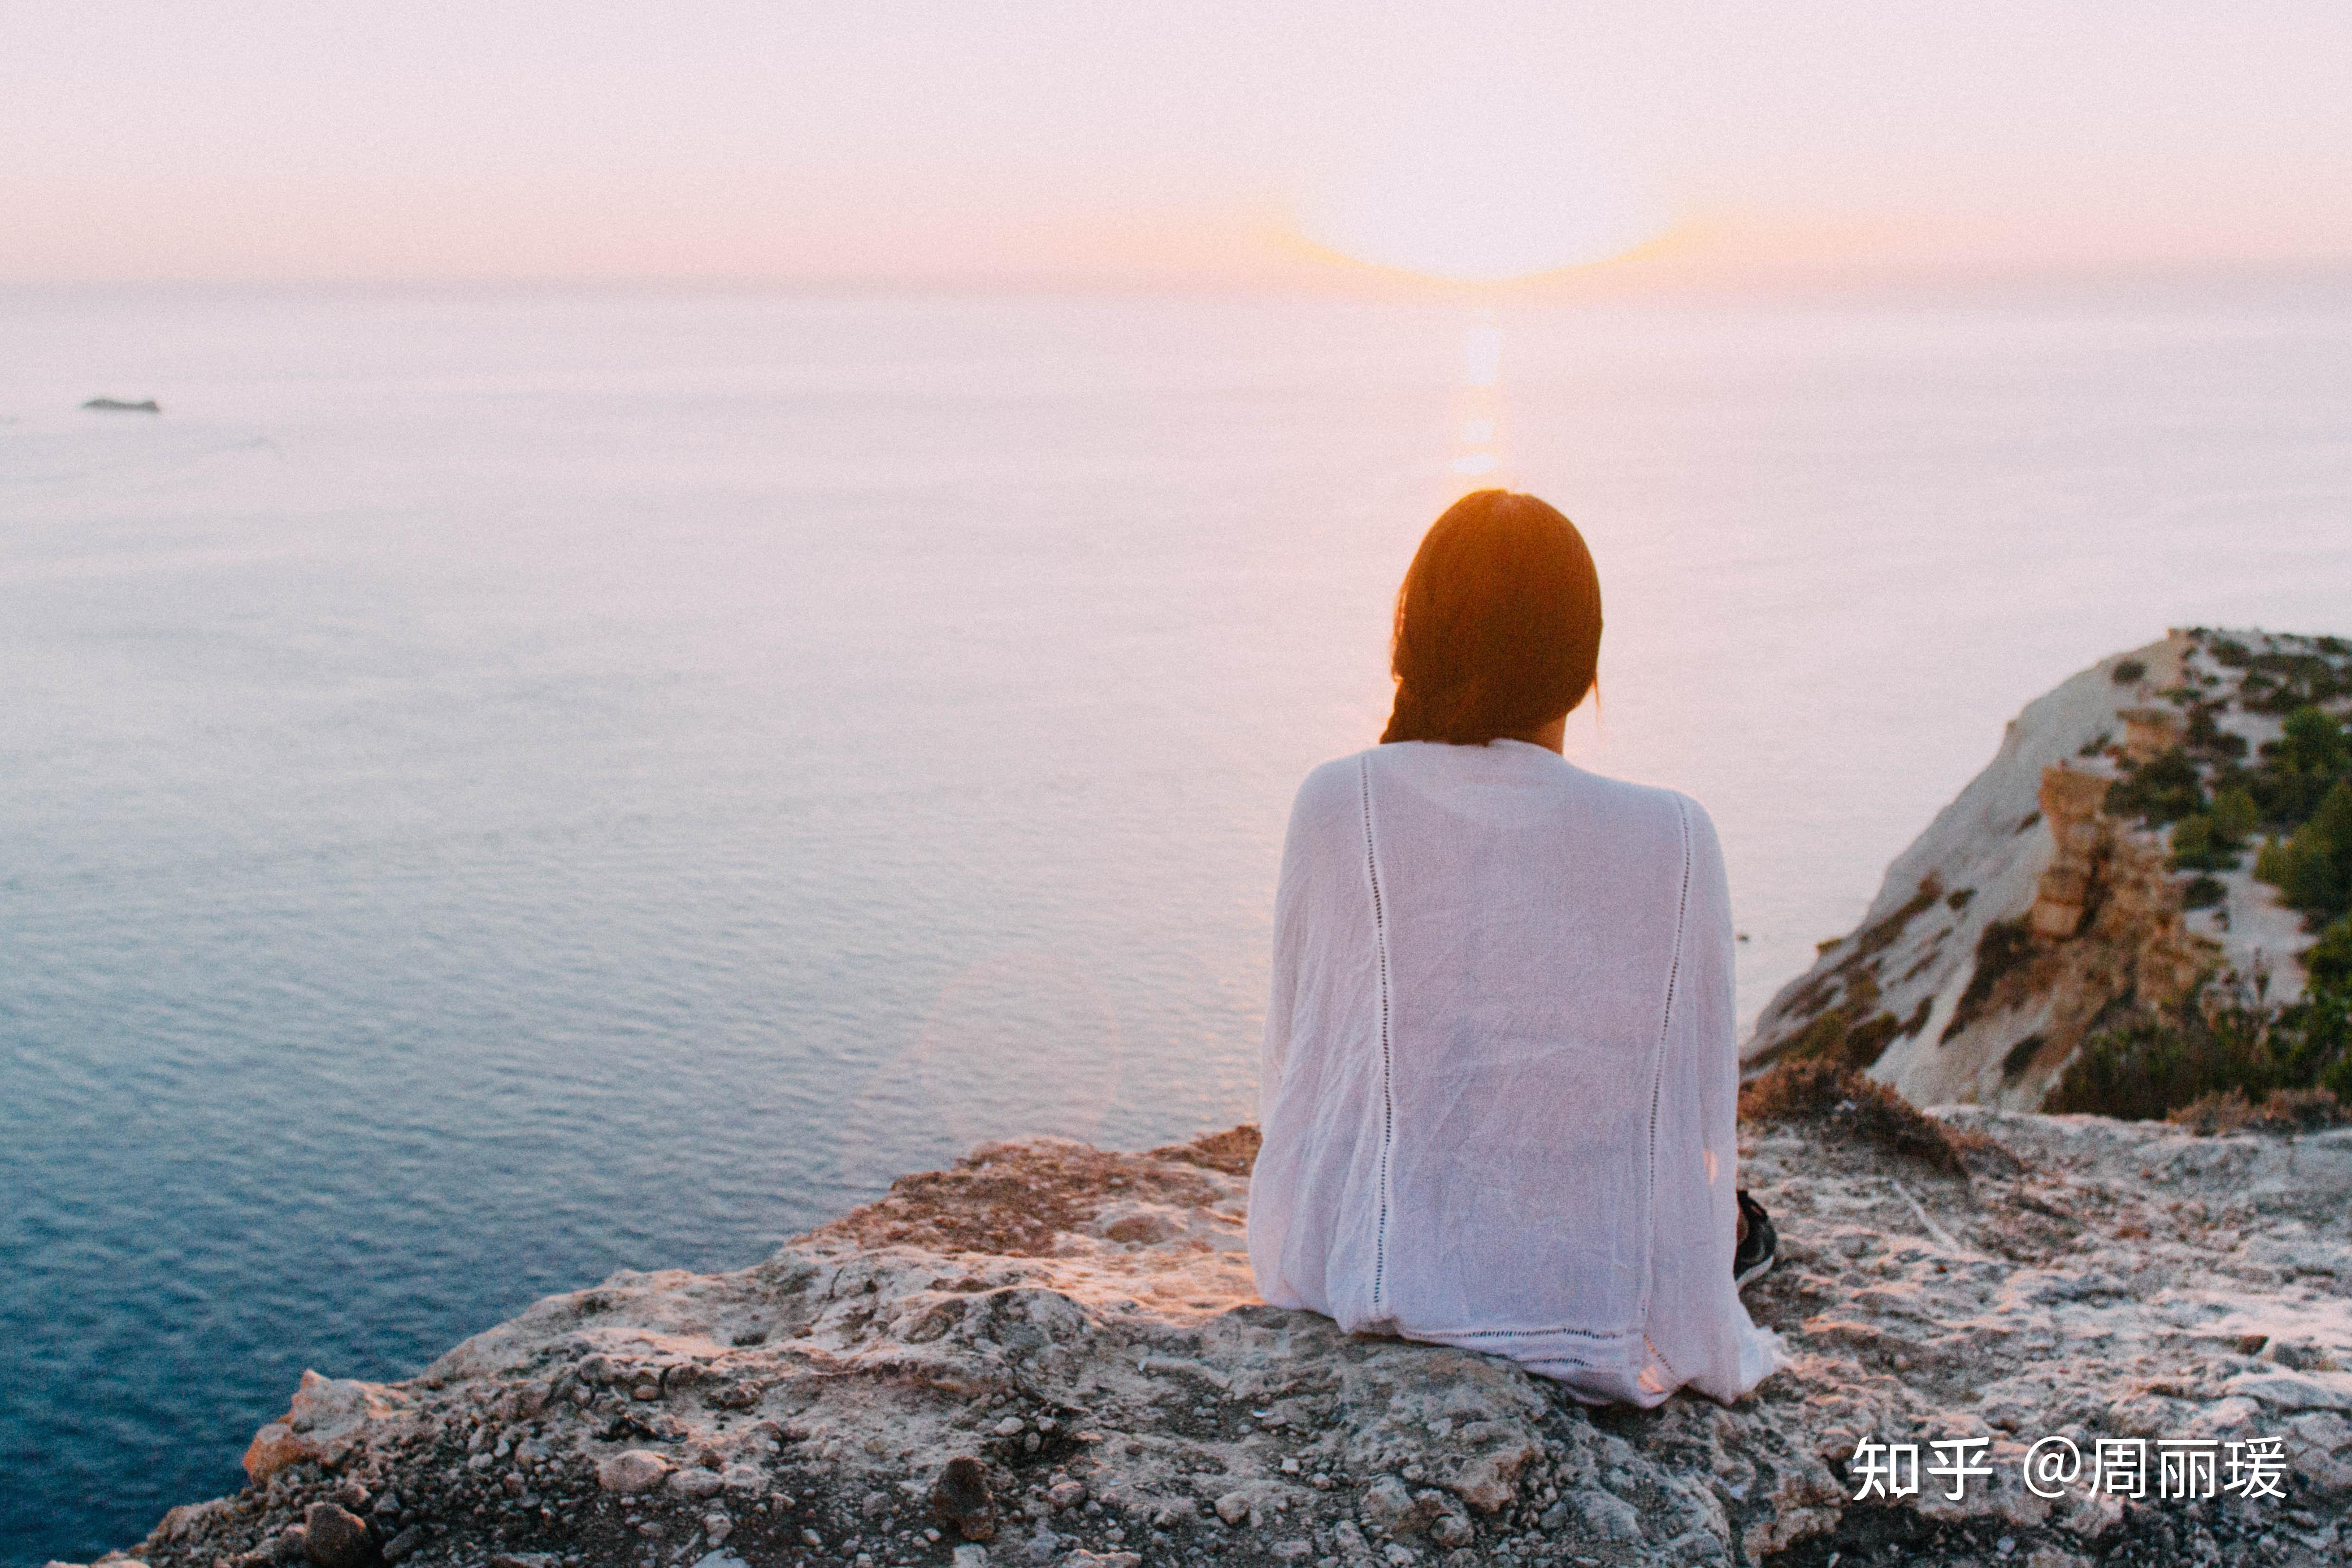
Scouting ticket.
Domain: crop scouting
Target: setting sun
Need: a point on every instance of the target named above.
(1480, 181)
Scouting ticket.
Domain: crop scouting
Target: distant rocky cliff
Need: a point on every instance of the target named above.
(1052, 1355)
(2047, 898)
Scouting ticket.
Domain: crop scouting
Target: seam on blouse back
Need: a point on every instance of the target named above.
(1536, 1333)
(1388, 1100)
(1658, 1073)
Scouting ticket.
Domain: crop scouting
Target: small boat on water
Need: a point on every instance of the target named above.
(116, 405)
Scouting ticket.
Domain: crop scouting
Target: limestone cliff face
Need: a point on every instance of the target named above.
(2028, 912)
(1051, 1356)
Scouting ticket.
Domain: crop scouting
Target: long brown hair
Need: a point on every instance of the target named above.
(1498, 624)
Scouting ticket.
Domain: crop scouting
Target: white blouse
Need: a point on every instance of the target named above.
(1500, 1079)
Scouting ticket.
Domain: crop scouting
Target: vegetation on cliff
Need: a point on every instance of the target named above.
(2226, 1039)
(2224, 1043)
(2135, 886)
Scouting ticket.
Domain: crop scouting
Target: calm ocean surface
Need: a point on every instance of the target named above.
(503, 787)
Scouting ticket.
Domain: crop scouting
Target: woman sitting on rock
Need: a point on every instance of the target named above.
(1500, 1074)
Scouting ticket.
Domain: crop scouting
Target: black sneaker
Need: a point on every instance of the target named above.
(1758, 1247)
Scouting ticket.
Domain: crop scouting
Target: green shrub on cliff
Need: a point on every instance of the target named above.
(2206, 738)
(2312, 869)
(2213, 840)
(2160, 790)
(2226, 1042)
(2139, 1073)
(2325, 1031)
(2301, 767)
(2282, 682)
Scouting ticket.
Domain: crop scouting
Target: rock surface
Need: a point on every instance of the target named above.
(1078, 1325)
(2025, 911)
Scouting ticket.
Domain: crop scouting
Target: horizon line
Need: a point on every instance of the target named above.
(1601, 280)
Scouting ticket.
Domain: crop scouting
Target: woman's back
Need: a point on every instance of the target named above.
(1499, 1075)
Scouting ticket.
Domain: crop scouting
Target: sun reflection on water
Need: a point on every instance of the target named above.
(1477, 418)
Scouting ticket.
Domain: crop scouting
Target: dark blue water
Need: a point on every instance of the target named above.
(502, 787)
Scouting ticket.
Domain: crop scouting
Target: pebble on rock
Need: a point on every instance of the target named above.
(697, 1482)
(335, 1537)
(1607, 1515)
(632, 1472)
(1234, 1506)
(959, 1498)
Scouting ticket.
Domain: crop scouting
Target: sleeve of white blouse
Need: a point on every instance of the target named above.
(1701, 1326)
(1282, 989)
(1272, 1196)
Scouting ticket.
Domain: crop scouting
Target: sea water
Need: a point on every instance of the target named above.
(501, 786)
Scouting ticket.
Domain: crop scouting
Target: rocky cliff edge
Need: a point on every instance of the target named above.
(1052, 1354)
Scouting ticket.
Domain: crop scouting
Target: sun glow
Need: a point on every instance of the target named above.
(1481, 180)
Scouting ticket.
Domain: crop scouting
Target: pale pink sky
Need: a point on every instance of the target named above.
(893, 141)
